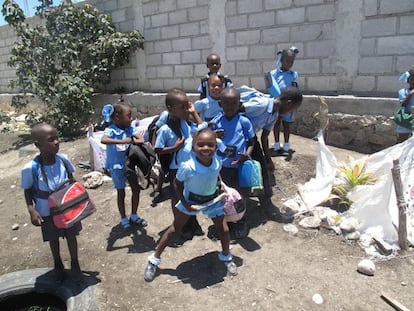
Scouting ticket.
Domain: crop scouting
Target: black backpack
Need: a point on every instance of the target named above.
(141, 157)
(152, 128)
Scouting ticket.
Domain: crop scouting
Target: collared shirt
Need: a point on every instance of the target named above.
(285, 79)
(56, 175)
(208, 108)
(237, 132)
(166, 137)
(259, 110)
(115, 153)
(198, 178)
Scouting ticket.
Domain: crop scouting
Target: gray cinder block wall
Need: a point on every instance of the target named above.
(355, 47)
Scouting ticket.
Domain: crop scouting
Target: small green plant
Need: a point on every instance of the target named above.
(350, 175)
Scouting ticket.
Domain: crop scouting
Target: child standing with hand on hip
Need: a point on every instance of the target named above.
(117, 137)
(43, 175)
(196, 184)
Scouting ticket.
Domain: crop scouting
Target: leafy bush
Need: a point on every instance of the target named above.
(65, 58)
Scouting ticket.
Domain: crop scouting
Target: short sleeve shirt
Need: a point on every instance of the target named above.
(56, 175)
(198, 178)
(115, 153)
(167, 138)
(237, 132)
(208, 108)
(285, 79)
(259, 111)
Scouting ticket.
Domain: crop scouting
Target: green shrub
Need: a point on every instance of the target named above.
(65, 58)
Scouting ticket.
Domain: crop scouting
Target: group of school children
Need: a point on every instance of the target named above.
(203, 143)
(188, 136)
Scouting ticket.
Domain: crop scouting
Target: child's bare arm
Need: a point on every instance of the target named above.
(194, 113)
(265, 146)
(244, 156)
(106, 140)
(179, 187)
(178, 145)
(35, 217)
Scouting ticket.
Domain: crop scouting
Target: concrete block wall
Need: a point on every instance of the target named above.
(7, 73)
(357, 47)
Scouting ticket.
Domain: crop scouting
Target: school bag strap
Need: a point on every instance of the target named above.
(204, 82)
(38, 164)
(37, 193)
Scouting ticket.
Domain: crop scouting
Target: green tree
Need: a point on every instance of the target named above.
(64, 58)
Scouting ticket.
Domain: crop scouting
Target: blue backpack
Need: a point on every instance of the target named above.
(250, 177)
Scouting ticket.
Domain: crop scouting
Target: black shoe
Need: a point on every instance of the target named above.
(238, 230)
(198, 231)
(157, 197)
(76, 271)
(193, 227)
(273, 213)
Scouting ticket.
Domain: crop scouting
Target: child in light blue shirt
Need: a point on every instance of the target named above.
(197, 188)
(209, 107)
(117, 138)
(406, 98)
(284, 77)
(213, 64)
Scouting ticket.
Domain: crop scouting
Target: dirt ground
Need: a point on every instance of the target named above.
(277, 271)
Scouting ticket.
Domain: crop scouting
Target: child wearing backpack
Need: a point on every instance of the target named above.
(117, 137)
(154, 126)
(209, 107)
(174, 139)
(213, 64)
(57, 169)
(263, 112)
(236, 133)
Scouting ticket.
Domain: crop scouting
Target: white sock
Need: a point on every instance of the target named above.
(154, 260)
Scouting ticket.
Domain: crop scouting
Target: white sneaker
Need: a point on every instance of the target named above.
(276, 146)
(286, 147)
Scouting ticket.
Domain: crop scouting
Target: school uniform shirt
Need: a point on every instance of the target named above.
(259, 111)
(285, 79)
(198, 178)
(56, 175)
(208, 108)
(237, 132)
(163, 118)
(167, 138)
(115, 153)
(402, 94)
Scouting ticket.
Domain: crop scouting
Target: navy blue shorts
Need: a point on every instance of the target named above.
(50, 232)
